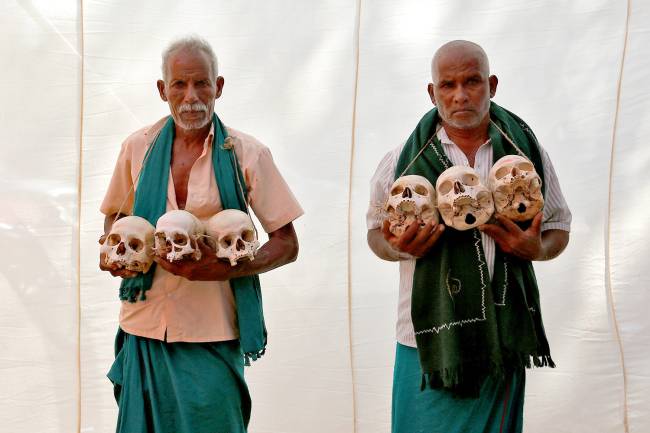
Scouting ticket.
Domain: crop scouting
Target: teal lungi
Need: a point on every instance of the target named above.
(165, 387)
(499, 408)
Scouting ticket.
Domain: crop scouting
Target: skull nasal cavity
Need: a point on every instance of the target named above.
(521, 208)
(121, 249)
(407, 193)
(458, 187)
(470, 219)
(240, 245)
(514, 171)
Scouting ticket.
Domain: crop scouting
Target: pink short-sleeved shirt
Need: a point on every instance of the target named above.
(177, 309)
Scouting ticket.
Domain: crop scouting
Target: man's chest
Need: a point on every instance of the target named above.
(182, 165)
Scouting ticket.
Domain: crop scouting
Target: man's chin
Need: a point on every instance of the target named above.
(191, 125)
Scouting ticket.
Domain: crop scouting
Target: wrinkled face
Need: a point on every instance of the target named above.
(232, 235)
(412, 198)
(516, 187)
(463, 201)
(462, 90)
(129, 244)
(176, 236)
(190, 88)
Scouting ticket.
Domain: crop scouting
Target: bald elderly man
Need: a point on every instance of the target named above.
(187, 327)
(461, 354)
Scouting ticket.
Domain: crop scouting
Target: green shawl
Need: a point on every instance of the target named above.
(466, 327)
(150, 203)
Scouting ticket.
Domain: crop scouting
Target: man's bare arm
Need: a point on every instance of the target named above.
(281, 248)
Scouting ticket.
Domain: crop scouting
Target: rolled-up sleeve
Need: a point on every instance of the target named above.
(269, 194)
(119, 195)
(556, 211)
(379, 187)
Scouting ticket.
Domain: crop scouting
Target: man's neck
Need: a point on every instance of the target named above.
(468, 140)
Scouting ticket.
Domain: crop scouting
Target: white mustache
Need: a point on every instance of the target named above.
(198, 106)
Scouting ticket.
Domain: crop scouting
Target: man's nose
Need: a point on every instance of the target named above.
(191, 95)
(460, 94)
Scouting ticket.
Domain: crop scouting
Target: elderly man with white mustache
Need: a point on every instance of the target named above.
(187, 328)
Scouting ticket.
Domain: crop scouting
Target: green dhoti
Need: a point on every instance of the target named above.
(180, 387)
(498, 409)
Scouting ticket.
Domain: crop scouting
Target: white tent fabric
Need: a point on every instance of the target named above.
(329, 86)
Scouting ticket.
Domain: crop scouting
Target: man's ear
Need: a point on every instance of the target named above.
(431, 89)
(220, 83)
(161, 90)
(494, 81)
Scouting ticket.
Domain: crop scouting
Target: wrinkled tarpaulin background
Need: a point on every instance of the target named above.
(329, 86)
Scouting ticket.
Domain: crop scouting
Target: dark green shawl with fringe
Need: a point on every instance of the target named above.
(466, 326)
(151, 202)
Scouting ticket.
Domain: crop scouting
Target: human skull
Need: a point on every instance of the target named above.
(232, 235)
(129, 244)
(516, 187)
(176, 236)
(463, 201)
(412, 198)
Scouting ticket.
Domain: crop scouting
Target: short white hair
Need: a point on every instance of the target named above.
(189, 43)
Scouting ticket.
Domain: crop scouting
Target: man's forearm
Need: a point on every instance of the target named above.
(553, 243)
(281, 248)
(380, 246)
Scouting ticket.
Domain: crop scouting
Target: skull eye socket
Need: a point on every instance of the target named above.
(525, 166)
(397, 189)
(502, 172)
(421, 190)
(136, 244)
(179, 239)
(225, 242)
(445, 187)
(113, 239)
(248, 236)
(469, 179)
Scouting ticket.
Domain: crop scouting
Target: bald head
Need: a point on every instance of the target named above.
(458, 52)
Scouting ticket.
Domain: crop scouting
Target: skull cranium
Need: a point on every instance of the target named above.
(463, 201)
(232, 235)
(516, 187)
(176, 236)
(412, 198)
(129, 244)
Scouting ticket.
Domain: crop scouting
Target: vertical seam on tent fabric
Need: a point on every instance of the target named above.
(608, 262)
(357, 34)
(79, 202)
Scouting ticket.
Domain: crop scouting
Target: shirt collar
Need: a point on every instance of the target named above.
(444, 138)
